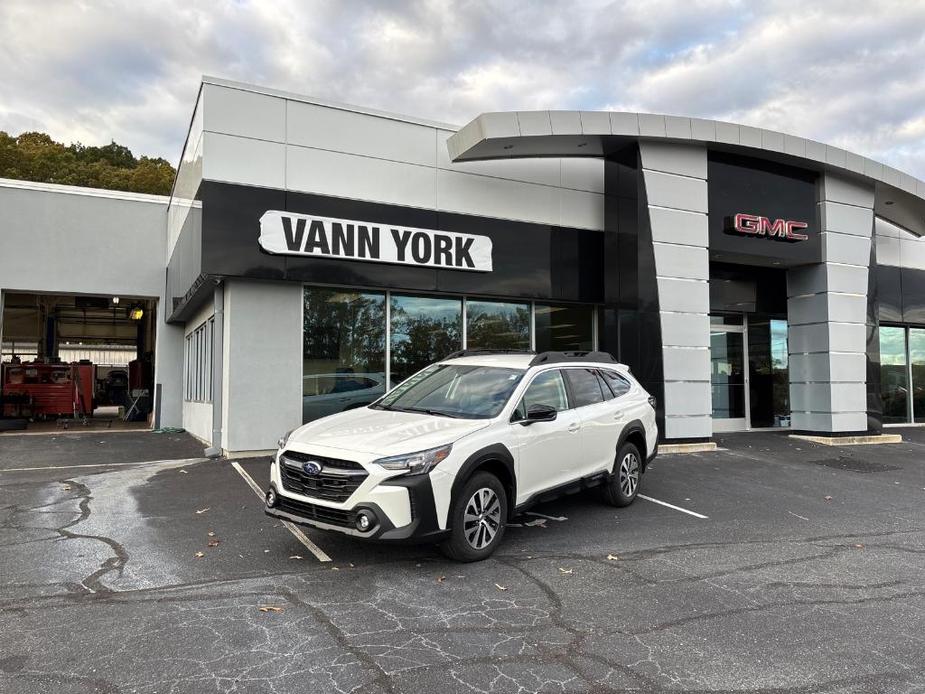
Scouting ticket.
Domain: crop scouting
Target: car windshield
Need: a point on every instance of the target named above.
(448, 390)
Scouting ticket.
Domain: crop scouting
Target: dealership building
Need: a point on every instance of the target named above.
(313, 254)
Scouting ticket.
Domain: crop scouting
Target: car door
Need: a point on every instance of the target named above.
(545, 452)
(600, 421)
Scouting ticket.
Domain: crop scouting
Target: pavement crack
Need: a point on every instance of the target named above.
(117, 562)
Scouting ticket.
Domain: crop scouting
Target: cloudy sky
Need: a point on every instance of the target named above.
(846, 72)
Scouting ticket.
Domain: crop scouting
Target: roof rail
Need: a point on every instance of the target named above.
(561, 357)
(482, 352)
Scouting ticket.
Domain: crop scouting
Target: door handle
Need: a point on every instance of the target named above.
(573, 427)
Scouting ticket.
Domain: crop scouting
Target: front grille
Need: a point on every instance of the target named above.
(322, 514)
(337, 480)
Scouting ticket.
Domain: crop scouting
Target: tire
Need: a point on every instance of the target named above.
(479, 540)
(623, 486)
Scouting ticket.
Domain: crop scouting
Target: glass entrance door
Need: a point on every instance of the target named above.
(729, 373)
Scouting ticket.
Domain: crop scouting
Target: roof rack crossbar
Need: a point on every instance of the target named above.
(482, 352)
(563, 357)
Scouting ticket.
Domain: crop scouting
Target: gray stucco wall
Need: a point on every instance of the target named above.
(262, 383)
(82, 241)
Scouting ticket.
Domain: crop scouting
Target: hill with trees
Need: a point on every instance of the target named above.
(37, 157)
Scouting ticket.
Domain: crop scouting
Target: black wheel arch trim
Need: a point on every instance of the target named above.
(495, 453)
(636, 427)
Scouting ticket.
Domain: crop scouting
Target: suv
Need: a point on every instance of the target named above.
(454, 452)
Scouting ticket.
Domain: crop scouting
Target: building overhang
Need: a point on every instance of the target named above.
(900, 198)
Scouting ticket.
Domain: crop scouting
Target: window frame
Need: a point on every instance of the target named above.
(516, 417)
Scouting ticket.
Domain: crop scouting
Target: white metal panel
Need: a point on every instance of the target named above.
(685, 329)
(685, 160)
(677, 192)
(847, 219)
(240, 160)
(243, 113)
(678, 226)
(688, 398)
(581, 209)
(309, 125)
(686, 296)
(321, 172)
(495, 197)
(673, 260)
(686, 364)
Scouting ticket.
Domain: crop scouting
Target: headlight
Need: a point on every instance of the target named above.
(416, 463)
(284, 439)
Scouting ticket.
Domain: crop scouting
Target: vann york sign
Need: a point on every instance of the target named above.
(285, 233)
(755, 225)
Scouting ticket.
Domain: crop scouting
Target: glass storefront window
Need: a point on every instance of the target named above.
(497, 325)
(564, 328)
(917, 362)
(423, 330)
(343, 350)
(894, 382)
(727, 374)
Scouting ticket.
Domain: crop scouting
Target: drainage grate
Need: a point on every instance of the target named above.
(854, 465)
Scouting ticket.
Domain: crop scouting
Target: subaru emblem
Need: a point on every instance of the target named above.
(311, 468)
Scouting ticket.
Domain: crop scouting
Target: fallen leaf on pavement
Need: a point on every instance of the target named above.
(184, 472)
(827, 498)
(266, 551)
(500, 587)
(335, 568)
(203, 510)
(67, 487)
(212, 543)
(269, 608)
(200, 555)
(296, 556)
(612, 557)
(441, 579)
(211, 533)
(565, 571)
(859, 546)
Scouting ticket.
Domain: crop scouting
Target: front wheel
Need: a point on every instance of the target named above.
(623, 486)
(477, 519)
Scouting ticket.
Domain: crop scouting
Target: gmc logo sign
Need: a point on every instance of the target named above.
(779, 229)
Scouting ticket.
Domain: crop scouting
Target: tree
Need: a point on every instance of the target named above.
(35, 156)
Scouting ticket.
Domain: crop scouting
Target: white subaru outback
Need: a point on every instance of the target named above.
(454, 452)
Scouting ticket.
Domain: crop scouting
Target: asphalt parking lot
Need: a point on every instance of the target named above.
(780, 566)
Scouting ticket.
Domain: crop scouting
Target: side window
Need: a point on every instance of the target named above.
(618, 385)
(547, 388)
(586, 387)
(605, 388)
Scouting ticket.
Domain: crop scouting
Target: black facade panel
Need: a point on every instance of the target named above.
(740, 184)
(737, 288)
(889, 292)
(530, 261)
(913, 293)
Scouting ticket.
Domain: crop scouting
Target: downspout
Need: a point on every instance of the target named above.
(218, 330)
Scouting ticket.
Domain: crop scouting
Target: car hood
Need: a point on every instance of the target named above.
(382, 433)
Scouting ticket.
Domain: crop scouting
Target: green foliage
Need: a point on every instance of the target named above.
(36, 157)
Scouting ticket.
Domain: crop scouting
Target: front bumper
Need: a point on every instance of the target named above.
(422, 528)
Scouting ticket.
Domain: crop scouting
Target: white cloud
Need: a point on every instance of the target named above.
(846, 72)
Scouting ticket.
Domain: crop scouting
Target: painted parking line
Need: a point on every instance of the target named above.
(295, 530)
(676, 508)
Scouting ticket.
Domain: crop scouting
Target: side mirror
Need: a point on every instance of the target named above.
(540, 413)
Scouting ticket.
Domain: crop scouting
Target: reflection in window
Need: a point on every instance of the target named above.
(917, 360)
(424, 330)
(343, 350)
(496, 325)
(894, 384)
(564, 328)
(548, 389)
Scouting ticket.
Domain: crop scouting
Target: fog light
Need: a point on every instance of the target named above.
(271, 498)
(364, 521)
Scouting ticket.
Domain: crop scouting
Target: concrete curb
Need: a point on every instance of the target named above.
(850, 440)
(674, 448)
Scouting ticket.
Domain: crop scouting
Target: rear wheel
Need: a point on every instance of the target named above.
(477, 519)
(623, 486)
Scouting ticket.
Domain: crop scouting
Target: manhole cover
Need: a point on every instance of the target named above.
(853, 465)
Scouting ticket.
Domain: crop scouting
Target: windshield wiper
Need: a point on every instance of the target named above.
(436, 413)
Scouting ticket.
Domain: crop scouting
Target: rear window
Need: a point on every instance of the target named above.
(586, 387)
(617, 384)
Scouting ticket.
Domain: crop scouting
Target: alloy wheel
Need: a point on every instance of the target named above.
(629, 474)
(482, 518)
